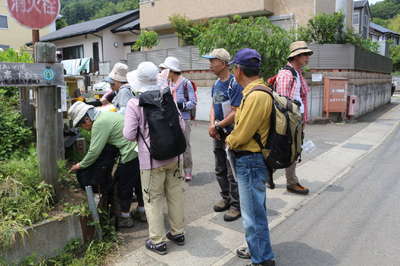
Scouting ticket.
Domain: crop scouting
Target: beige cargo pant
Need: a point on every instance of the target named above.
(291, 176)
(163, 184)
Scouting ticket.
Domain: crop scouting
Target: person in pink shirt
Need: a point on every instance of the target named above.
(185, 97)
(161, 180)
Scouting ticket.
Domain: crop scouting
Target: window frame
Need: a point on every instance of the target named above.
(8, 26)
(357, 14)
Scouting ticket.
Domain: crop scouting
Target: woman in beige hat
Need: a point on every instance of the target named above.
(121, 91)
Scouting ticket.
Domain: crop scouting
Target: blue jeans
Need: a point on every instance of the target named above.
(252, 174)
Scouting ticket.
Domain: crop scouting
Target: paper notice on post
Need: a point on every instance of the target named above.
(226, 108)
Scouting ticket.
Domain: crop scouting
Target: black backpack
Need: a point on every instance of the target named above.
(161, 113)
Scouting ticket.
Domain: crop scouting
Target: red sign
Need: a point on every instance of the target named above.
(35, 14)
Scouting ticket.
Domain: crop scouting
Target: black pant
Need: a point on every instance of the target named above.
(128, 178)
(98, 175)
(223, 171)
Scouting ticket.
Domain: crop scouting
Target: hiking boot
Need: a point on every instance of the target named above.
(125, 222)
(265, 263)
(243, 253)
(231, 215)
(178, 239)
(160, 248)
(140, 216)
(297, 189)
(222, 205)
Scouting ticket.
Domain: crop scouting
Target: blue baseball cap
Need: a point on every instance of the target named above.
(245, 57)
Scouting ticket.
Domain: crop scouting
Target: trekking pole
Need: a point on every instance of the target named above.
(93, 211)
(231, 160)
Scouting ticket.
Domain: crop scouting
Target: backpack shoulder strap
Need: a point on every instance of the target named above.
(186, 89)
(262, 88)
(291, 69)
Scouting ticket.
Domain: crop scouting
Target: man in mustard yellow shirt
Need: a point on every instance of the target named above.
(252, 117)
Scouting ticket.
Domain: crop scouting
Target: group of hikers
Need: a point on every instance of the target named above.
(148, 138)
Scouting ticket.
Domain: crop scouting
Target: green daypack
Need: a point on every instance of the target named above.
(284, 142)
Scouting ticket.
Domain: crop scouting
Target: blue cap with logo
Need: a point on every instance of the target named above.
(246, 56)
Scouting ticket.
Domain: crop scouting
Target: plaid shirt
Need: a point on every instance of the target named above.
(286, 87)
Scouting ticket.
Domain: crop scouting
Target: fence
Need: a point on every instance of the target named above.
(189, 57)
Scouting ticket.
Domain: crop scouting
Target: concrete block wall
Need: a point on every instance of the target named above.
(204, 80)
(372, 90)
(46, 239)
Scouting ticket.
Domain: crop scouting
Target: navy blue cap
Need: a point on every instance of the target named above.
(245, 58)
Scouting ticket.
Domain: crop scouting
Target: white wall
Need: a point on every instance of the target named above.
(167, 41)
(112, 54)
(85, 40)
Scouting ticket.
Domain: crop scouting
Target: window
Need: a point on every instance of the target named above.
(366, 20)
(3, 22)
(73, 52)
(356, 18)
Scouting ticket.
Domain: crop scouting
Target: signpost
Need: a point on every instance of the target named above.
(45, 77)
(35, 14)
(31, 75)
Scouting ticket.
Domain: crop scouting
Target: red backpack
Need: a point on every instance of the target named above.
(272, 80)
(186, 95)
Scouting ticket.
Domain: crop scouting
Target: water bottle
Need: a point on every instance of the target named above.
(308, 146)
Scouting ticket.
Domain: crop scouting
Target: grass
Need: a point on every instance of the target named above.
(24, 198)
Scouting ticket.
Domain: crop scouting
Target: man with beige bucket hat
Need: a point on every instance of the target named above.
(106, 145)
(291, 83)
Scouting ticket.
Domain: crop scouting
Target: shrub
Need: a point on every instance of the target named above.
(395, 55)
(323, 28)
(146, 39)
(14, 135)
(328, 29)
(186, 29)
(233, 34)
(11, 55)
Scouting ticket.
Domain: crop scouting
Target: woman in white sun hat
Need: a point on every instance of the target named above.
(185, 96)
(161, 179)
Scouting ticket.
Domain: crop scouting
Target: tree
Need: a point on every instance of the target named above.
(395, 55)
(381, 21)
(328, 29)
(61, 23)
(324, 28)
(146, 39)
(186, 29)
(115, 7)
(233, 34)
(394, 24)
(386, 9)
(75, 11)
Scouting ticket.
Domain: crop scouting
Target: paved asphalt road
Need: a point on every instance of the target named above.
(356, 221)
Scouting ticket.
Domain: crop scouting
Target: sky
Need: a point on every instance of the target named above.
(374, 1)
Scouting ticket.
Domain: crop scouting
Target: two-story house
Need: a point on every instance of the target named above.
(13, 34)
(154, 14)
(361, 18)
